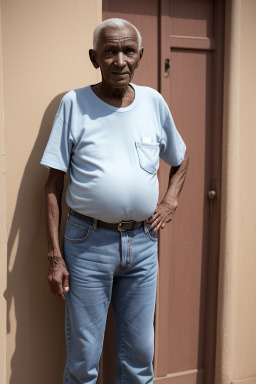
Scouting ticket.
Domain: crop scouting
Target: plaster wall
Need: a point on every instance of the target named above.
(3, 238)
(236, 341)
(45, 54)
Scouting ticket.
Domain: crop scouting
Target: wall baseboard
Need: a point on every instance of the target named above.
(249, 380)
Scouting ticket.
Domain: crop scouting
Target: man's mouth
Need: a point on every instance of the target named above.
(120, 73)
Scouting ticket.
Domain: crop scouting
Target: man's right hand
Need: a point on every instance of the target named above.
(58, 273)
(58, 276)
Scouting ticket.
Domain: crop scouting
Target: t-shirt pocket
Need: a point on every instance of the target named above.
(148, 154)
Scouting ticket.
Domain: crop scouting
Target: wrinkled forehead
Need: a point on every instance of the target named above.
(116, 35)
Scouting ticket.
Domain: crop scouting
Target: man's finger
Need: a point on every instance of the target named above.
(66, 284)
(155, 222)
(57, 286)
(61, 296)
(152, 218)
(158, 226)
(153, 225)
(51, 284)
(51, 287)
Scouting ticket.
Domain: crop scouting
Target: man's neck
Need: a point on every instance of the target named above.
(117, 97)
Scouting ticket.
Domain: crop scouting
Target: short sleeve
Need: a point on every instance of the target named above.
(59, 147)
(172, 147)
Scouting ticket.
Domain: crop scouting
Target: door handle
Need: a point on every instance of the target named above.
(212, 195)
(167, 66)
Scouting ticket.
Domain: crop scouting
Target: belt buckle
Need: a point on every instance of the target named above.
(119, 226)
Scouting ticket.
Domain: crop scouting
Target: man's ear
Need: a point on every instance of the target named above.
(140, 56)
(93, 58)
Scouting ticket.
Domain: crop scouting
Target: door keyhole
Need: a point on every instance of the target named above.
(167, 66)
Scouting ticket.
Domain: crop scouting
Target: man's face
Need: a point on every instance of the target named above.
(117, 56)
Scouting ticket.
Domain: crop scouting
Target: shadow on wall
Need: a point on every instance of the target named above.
(36, 316)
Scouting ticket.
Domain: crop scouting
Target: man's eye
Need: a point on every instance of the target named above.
(109, 51)
(129, 51)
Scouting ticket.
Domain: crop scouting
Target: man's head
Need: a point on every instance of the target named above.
(116, 24)
(117, 51)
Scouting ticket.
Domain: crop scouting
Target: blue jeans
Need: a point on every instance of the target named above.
(107, 265)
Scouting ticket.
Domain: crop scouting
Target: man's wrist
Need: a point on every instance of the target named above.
(55, 260)
(54, 255)
(170, 203)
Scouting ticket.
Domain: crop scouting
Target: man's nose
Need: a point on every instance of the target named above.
(120, 59)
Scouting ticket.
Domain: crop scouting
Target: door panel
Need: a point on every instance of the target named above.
(192, 18)
(187, 236)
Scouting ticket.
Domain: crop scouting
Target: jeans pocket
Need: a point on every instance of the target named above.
(151, 234)
(77, 230)
(148, 154)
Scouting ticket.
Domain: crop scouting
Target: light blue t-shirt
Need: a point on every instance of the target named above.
(112, 153)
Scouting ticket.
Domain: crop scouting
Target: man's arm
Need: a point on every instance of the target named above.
(58, 273)
(165, 209)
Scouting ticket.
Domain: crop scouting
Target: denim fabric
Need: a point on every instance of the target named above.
(107, 265)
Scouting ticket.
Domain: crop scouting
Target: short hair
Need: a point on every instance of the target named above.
(114, 23)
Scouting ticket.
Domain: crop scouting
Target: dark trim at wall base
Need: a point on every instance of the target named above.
(192, 376)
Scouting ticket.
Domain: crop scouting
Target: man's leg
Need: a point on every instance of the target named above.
(91, 265)
(133, 300)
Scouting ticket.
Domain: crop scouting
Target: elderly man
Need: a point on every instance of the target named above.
(110, 136)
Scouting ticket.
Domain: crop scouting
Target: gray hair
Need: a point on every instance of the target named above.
(114, 23)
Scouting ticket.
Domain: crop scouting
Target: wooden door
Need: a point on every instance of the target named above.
(192, 38)
(190, 34)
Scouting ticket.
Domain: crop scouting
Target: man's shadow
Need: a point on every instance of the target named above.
(34, 315)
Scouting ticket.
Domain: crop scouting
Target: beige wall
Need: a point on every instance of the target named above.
(45, 53)
(3, 246)
(236, 343)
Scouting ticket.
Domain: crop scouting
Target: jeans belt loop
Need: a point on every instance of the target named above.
(145, 226)
(95, 224)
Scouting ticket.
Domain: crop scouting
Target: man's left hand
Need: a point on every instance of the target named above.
(163, 214)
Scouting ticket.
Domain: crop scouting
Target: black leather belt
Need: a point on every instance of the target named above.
(121, 226)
